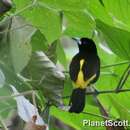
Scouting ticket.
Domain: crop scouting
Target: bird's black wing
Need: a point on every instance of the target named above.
(74, 67)
(91, 67)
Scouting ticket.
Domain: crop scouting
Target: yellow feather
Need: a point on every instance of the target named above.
(80, 82)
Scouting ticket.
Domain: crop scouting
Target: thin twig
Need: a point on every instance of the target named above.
(114, 65)
(16, 95)
(123, 78)
(103, 92)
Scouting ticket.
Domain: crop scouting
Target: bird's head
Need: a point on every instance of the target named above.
(86, 45)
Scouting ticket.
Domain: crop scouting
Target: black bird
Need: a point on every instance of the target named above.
(84, 70)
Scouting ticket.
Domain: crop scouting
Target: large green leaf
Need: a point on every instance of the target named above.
(118, 40)
(123, 111)
(39, 42)
(12, 78)
(56, 53)
(76, 121)
(46, 77)
(61, 56)
(119, 11)
(4, 41)
(111, 12)
(51, 52)
(6, 106)
(65, 4)
(46, 20)
(98, 11)
(79, 24)
(20, 36)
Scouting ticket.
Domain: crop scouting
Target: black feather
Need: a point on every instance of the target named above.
(77, 100)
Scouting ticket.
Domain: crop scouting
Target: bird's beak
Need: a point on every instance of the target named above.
(77, 40)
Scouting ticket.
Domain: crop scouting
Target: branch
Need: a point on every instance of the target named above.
(123, 78)
(21, 94)
(103, 92)
(114, 65)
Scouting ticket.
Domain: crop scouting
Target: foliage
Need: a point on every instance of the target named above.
(33, 56)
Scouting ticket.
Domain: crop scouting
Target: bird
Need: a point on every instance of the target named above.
(84, 69)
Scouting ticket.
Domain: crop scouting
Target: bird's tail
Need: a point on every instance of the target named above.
(77, 100)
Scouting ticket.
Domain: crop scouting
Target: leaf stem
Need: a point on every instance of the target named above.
(88, 113)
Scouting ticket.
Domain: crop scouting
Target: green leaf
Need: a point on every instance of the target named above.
(46, 20)
(61, 56)
(46, 77)
(123, 111)
(118, 40)
(14, 79)
(39, 42)
(6, 105)
(77, 123)
(20, 36)
(56, 53)
(119, 12)
(79, 24)
(98, 11)
(51, 52)
(22, 4)
(111, 12)
(4, 41)
(65, 4)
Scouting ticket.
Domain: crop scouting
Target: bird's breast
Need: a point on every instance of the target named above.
(82, 82)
